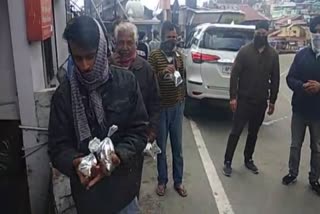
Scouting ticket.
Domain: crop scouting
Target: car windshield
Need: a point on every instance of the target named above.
(229, 39)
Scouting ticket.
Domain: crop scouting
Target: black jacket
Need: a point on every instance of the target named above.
(305, 67)
(143, 50)
(150, 91)
(255, 76)
(124, 107)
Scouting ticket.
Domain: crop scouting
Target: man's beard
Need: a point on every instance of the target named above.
(260, 41)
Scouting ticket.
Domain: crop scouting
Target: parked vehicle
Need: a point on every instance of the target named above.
(209, 54)
(190, 18)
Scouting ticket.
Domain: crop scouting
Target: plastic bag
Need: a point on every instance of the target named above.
(105, 152)
(175, 77)
(152, 150)
(106, 149)
(94, 145)
(99, 151)
(86, 165)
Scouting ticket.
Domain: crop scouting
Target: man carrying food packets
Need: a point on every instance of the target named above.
(125, 56)
(97, 127)
(167, 63)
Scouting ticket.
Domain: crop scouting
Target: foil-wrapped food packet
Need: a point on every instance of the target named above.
(177, 78)
(94, 145)
(86, 165)
(106, 149)
(152, 150)
(105, 152)
(99, 151)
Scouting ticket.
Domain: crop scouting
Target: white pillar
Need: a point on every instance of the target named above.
(29, 74)
(165, 15)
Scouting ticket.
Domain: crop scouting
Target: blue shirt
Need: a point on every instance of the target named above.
(305, 67)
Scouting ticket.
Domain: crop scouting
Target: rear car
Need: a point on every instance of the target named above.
(209, 54)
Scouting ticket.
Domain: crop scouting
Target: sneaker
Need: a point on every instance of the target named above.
(315, 186)
(227, 170)
(289, 179)
(251, 166)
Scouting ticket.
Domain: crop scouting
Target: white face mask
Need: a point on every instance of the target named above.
(315, 42)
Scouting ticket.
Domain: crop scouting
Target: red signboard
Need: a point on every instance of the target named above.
(39, 19)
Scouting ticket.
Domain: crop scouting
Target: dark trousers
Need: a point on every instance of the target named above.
(253, 114)
(299, 125)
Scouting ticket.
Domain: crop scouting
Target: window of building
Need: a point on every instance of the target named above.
(48, 61)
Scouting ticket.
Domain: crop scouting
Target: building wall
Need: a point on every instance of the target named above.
(30, 83)
(28, 63)
(8, 91)
(294, 31)
(60, 24)
(37, 65)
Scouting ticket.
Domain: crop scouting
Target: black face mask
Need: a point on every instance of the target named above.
(260, 41)
(168, 46)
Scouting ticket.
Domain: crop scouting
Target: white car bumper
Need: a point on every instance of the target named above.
(200, 91)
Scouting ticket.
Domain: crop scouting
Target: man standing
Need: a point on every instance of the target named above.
(165, 61)
(125, 56)
(304, 80)
(93, 99)
(126, 39)
(254, 86)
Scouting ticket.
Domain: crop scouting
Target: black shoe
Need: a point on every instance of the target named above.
(289, 179)
(315, 186)
(227, 170)
(251, 166)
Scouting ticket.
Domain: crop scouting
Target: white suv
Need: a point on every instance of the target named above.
(209, 53)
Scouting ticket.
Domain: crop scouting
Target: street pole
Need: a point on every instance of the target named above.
(87, 4)
(165, 6)
(115, 9)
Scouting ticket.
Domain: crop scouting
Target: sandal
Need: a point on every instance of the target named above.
(181, 191)
(161, 190)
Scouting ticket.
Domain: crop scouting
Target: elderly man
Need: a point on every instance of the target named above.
(94, 98)
(304, 80)
(166, 61)
(254, 85)
(126, 40)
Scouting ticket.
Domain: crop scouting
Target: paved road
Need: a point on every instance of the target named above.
(244, 193)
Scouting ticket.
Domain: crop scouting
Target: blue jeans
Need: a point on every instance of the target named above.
(170, 123)
(132, 208)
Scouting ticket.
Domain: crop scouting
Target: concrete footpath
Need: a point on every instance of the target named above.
(199, 200)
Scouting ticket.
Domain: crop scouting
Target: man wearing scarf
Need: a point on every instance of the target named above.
(166, 61)
(304, 80)
(93, 99)
(125, 56)
(254, 87)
